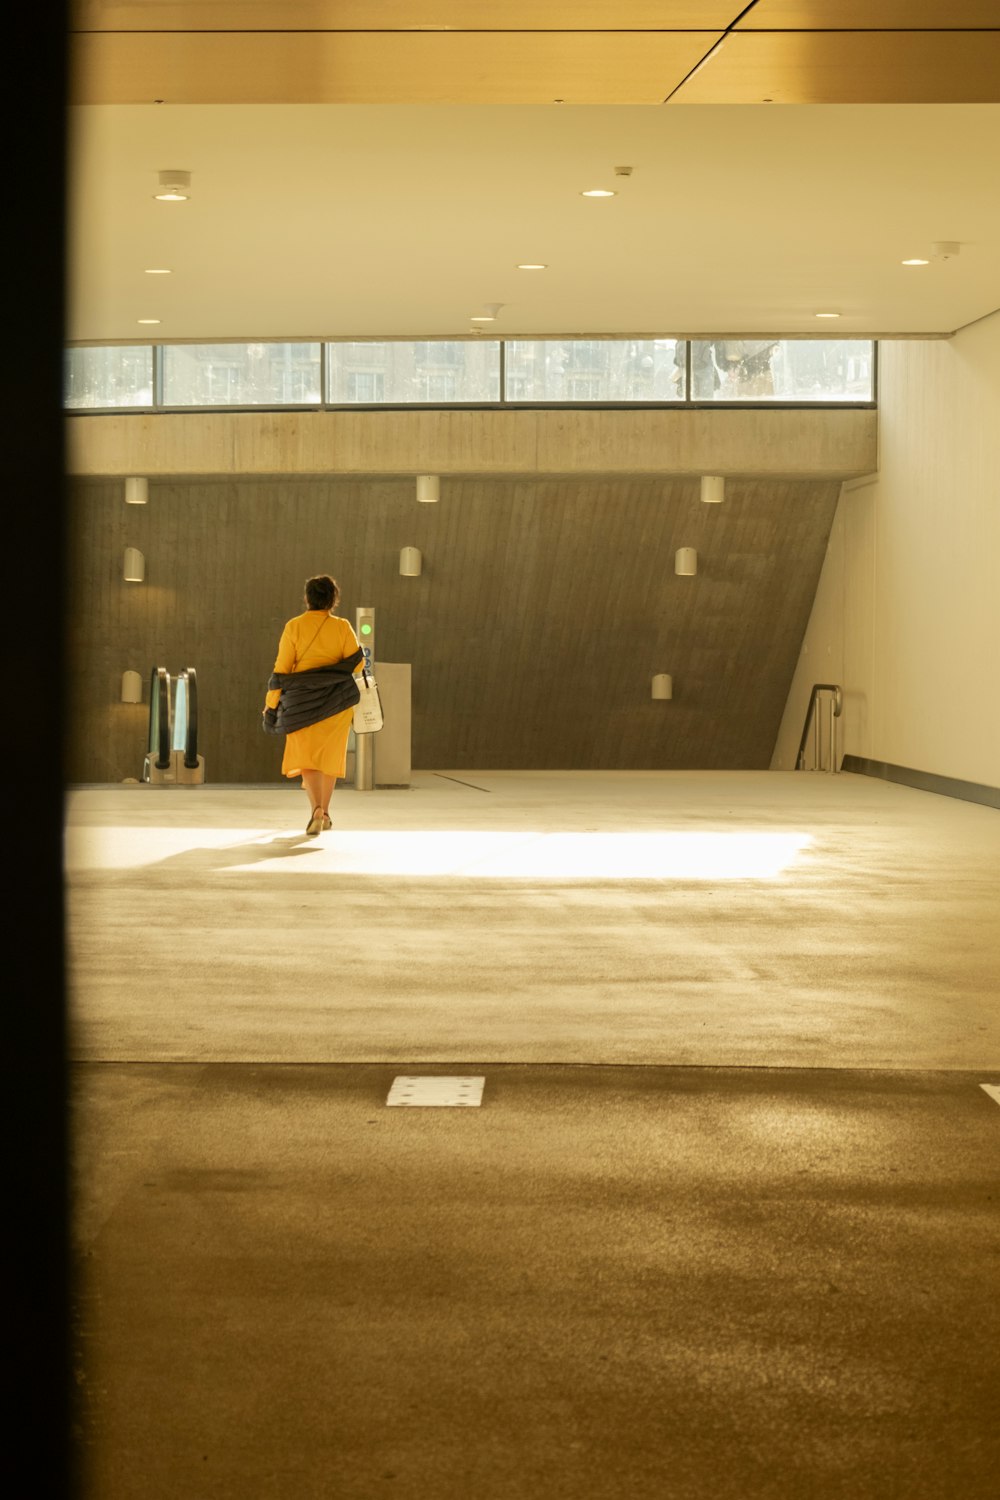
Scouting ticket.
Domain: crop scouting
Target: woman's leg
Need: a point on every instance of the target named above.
(326, 791)
(312, 785)
(318, 787)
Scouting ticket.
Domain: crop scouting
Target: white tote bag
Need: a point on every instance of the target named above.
(368, 709)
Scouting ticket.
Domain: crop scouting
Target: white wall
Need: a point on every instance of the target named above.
(907, 612)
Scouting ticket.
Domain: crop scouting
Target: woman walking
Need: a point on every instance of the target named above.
(311, 695)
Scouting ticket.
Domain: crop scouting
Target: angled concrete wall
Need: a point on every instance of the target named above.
(543, 611)
(548, 598)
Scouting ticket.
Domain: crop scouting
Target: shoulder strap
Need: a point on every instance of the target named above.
(298, 656)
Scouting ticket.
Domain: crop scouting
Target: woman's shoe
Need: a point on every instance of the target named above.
(327, 825)
(315, 824)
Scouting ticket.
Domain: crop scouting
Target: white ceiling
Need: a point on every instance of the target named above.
(355, 220)
(379, 167)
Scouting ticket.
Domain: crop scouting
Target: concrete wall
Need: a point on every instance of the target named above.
(782, 442)
(543, 610)
(907, 611)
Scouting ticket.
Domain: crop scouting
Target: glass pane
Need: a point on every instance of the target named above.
(595, 370)
(782, 370)
(434, 371)
(241, 375)
(109, 377)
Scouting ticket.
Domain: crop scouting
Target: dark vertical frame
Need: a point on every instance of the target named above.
(36, 579)
(874, 389)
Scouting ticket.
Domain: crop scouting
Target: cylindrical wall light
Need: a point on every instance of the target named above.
(686, 562)
(428, 487)
(135, 565)
(663, 685)
(131, 687)
(410, 562)
(136, 491)
(713, 488)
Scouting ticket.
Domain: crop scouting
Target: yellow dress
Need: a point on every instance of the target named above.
(315, 639)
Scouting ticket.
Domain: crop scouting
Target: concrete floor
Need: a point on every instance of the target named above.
(726, 1223)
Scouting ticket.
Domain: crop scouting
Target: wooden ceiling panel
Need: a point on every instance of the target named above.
(404, 15)
(386, 68)
(871, 15)
(849, 67)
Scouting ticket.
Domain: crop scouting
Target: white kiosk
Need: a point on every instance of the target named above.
(382, 759)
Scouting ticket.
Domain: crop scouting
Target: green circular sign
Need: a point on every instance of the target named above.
(366, 629)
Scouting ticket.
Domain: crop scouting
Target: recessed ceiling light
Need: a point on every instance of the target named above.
(828, 315)
(483, 318)
(147, 320)
(158, 271)
(598, 193)
(529, 266)
(916, 262)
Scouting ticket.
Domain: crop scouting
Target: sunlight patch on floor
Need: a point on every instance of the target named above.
(469, 853)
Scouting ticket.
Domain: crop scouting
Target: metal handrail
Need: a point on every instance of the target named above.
(814, 699)
(159, 717)
(191, 730)
(173, 716)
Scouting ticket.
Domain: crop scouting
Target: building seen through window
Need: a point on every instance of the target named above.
(788, 369)
(594, 370)
(241, 374)
(429, 372)
(103, 377)
(453, 372)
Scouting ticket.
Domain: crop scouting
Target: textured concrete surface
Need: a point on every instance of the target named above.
(603, 1284)
(741, 918)
(769, 1274)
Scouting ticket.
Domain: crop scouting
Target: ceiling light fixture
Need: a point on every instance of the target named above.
(916, 262)
(158, 271)
(531, 266)
(489, 313)
(828, 315)
(598, 193)
(147, 320)
(174, 185)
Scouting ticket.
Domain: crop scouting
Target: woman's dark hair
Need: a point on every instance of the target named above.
(322, 592)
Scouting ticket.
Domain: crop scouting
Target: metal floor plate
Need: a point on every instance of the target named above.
(447, 1092)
